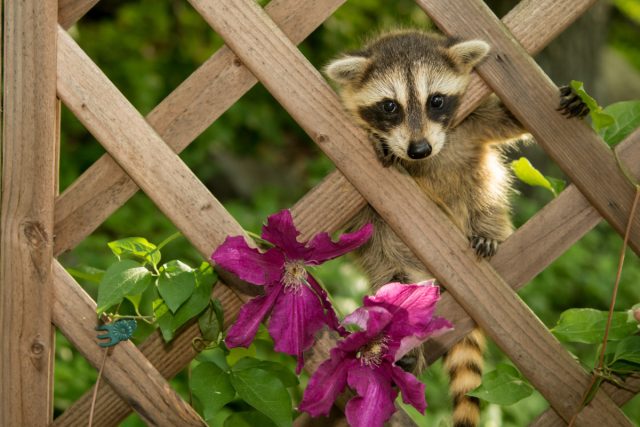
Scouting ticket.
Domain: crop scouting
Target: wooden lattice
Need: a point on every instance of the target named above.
(43, 61)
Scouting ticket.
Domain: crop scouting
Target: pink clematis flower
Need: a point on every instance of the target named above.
(398, 318)
(298, 305)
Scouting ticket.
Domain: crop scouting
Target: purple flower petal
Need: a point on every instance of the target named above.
(244, 329)
(326, 384)
(321, 248)
(436, 327)
(248, 263)
(331, 319)
(372, 320)
(374, 403)
(295, 319)
(281, 231)
(419, 300)
(412, 389)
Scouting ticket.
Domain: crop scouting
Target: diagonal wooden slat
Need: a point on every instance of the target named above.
(533, 98)
(543, 238)
(132, 375)
(477, 287)
(195, 104)
(180, 118)
(524, 22)
(29, 149)
(128, 137)
(69, 11)
(313, 213)
(619, 395)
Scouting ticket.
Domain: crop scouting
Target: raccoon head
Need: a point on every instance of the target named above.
(404, 89)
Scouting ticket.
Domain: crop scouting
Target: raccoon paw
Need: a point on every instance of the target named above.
(571, 105)
(484, 246)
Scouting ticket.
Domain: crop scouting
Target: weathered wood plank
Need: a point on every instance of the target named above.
(126, 370)
(619, 395)
(26, 223)
(180, 118)
(70, 11)
(534, 23)
(194, 105)
(475, 285)
(313, 213)
(127, 136)
(533, 99)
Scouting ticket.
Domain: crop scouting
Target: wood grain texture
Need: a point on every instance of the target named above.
(475, 285)
(159, 171)
(178, 119)
(619, 395)
(533, 99)
(125, 369)
(533, 23)
(29, 143)
(70, 11)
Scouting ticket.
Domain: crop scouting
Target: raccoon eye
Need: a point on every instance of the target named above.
(436, 102)
(389, 107)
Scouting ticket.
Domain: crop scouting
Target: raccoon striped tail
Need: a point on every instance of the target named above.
(464, 363)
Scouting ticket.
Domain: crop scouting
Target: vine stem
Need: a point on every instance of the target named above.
(603, 347)
(95, 388)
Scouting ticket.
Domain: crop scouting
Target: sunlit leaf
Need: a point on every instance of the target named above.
(599, 117)
(626, 116)
(176, 283)
(123, 278)
(528, 174)
(136, 247)
(587, 325)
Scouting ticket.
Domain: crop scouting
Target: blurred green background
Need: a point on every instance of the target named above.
(256, 160)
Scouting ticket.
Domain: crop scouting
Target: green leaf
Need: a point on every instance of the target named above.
(528, 174)
(197, 302)
(263, 390)
(136, 247)
(176, 283)
(626, 116)
(248, 419)
(503, 386)
(628, 350)
(586, 325)
(211, 322)
(123, 278)
(288, 378)
(623, 367)
(599, 118)
(90, 274)
(212, 387)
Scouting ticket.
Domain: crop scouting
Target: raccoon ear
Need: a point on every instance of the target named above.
(346, 69)
(467, 54)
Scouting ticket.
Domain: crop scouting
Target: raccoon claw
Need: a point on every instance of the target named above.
(408, 363)
(484, 246)
(571, 105)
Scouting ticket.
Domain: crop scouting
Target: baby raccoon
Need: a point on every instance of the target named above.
(403, 88)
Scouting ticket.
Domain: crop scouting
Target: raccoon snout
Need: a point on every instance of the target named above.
(419, 149)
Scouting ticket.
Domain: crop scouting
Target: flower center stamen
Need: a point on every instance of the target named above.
(295, 275)
(372, 353)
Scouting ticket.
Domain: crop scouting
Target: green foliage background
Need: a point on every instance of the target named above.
(257, 160)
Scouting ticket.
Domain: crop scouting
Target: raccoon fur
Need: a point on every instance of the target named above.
(403, 89)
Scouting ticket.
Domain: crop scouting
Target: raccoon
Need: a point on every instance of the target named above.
(403, 88)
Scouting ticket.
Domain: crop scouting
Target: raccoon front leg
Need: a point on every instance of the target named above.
(488, 230)
(493, 123)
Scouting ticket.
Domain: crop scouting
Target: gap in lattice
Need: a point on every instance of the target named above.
(164, 42)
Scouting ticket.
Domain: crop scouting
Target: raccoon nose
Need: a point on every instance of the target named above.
(419, 149)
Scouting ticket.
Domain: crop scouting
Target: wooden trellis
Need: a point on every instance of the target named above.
(42, 61)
